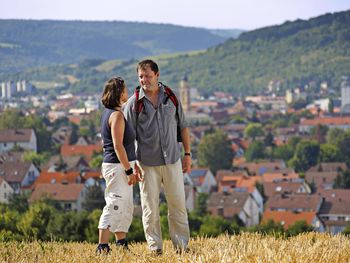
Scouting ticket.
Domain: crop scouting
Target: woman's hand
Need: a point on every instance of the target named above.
(132, 179)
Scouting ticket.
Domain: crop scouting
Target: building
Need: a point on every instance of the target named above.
(342, 122)
(202, 179)
(5, 190)
(19, 175)
(241, 204)
(345, 94)
(185, 95)
(288, 218)
(69, 196)
(24, 138)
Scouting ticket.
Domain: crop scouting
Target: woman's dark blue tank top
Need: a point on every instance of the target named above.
(109, 155)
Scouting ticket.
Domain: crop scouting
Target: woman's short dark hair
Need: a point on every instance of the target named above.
(147, 63)
(112, 91)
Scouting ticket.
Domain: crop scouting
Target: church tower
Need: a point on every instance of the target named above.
(185, 94)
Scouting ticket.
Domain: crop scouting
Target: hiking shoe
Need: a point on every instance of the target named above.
(157, 252)
(122, 244)
(103, 249)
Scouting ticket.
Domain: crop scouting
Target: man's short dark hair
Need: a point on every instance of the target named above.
(147, 63)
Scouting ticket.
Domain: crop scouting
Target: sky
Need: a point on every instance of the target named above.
(213, 14)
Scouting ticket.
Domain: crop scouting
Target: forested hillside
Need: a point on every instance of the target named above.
(28, 43)
(294, 53)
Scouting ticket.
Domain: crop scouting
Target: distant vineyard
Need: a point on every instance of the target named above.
(246, 247)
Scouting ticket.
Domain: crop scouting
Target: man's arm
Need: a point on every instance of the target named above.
(187, 160)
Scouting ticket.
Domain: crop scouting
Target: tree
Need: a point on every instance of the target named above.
(284, 152)
(268, 227)
(255, 151)
(94, 198)
(342, 180)
(330, 153)
(96, 162)
(68, 226)
(36, 158)
(253, 130)
(34, 222)
(19, 202)
(201, 204)
(331, 106)
(91, 231)
(214, 150)
(346, 231)
(214, 226)
(299, 227)
(136, 233)
(306, 155)
(334, 135)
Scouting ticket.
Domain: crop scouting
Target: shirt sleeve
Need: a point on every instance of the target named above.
(129, 111)
(182, 119)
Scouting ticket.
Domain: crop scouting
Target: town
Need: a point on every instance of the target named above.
(279, 157)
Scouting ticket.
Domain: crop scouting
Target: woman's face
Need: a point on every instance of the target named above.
(124, 96)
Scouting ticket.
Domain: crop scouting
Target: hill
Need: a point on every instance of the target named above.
(295, 53)
(28, 43)
(311, 247)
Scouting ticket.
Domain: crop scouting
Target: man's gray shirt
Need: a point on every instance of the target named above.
(156, 129)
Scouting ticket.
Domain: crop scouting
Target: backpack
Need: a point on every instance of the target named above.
(169, 95)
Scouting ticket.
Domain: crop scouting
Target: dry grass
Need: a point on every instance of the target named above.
(310, 248)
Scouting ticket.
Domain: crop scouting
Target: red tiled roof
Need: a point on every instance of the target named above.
(59, 192)
(279, 176)
(86, 150)
(326, 121)
(288, 218)
(58, 177)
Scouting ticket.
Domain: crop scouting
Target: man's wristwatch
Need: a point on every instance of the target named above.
(129, 171)
(188, 154)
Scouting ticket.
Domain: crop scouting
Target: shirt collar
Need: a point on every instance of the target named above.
(142, 93)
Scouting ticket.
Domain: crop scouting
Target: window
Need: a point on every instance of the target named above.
(67, 206)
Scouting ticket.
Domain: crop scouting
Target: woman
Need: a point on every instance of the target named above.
(117, 167)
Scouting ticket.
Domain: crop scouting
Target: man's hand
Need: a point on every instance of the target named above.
(186, 164)
(138, 173)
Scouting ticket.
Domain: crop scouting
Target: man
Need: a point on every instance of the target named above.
(158, 157)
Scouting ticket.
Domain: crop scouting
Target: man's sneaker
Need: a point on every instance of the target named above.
(103, 249)
(157, 252)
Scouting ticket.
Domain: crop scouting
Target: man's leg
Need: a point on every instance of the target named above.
(175, 194)
(149, 190)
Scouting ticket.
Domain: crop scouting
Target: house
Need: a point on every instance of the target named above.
(5, 190)
(69, 163)
(69, 196)
(19, 175)
(323, 180)
(85, 150)
(288, 218)
(342, 122)
(202, 179)
(328, 167)
(286, 188)
(286, 174)
(294, 203)
(228, 205)
(239, 181)
(335, 210)
(59, 178)
(24, 138)
(259, 168)
(190, 196)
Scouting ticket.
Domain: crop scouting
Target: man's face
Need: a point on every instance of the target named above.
(147, 78)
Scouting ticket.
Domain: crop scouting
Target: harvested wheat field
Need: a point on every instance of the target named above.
(246, 247)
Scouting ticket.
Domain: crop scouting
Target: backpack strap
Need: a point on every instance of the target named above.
(171, 95)
(138, 106)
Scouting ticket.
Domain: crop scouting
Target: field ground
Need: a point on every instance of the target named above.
(246, 247)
